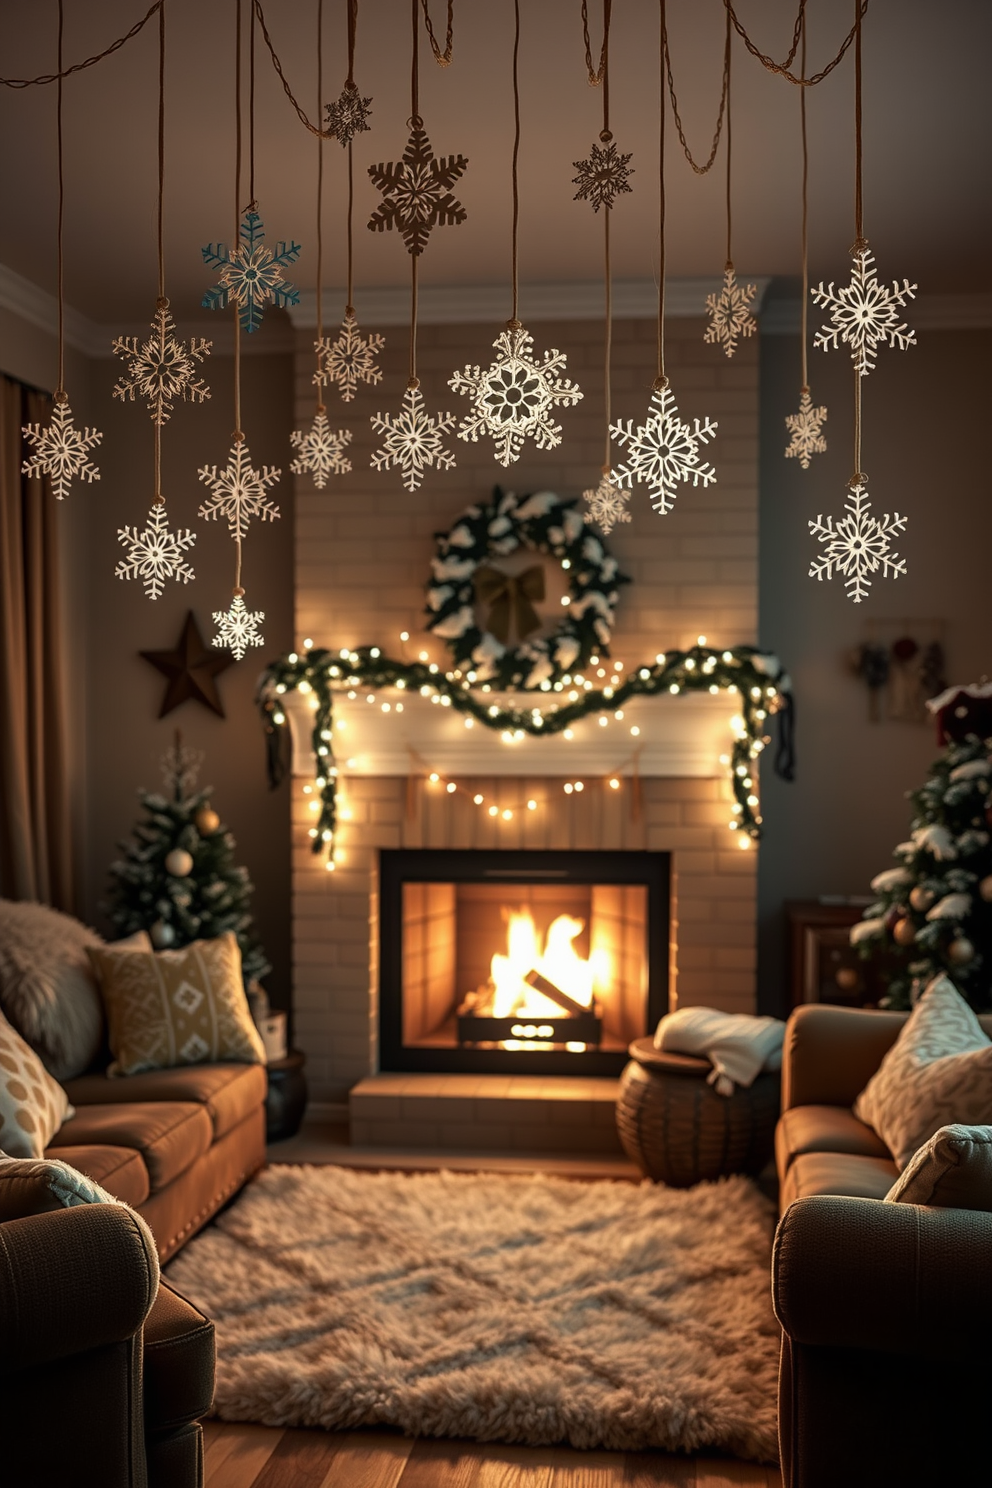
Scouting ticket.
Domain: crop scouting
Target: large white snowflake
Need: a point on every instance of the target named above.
(730, 312)
(155, 554)
(238, 491)
(413, 439)
(513, 398)
(237, 628)
(61, 450)
(321, 450)
(163, 367)
(663, 451)
(864, 313)
(806, 430)
(349, 359)
(606, 503)
(857, 544)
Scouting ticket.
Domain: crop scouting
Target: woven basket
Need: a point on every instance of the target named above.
(676, 1128)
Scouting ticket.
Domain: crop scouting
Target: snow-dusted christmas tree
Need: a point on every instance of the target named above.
(178, 879)
(934, 909)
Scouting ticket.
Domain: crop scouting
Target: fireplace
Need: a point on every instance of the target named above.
(520, 962)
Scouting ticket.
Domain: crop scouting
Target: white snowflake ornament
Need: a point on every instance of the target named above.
(864, 313)
(321, 450)
(857, 544)
(730, 312)
(607, 503)
(349, 359)
(806, 431)
(514, 397)
(162, 368)
(237, 627)
(413, 441)
(238, 491)
(663, 450)
(61, 450)
(155, 554)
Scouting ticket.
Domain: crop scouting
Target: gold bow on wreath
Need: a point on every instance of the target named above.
(510, 595)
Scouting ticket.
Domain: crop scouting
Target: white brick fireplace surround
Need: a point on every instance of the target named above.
(363, 551)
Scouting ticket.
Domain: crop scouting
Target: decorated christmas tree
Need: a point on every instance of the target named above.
(178, 879)
(934, 910)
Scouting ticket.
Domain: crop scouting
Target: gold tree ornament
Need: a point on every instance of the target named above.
(349, 359)
(805, 428)
(163, 368)
(513, 399)
(61, 450)
(607, 503)
(730, 312)
(321, 450)
(416, 192)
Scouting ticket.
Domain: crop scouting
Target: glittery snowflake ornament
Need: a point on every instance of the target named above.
(163, 368)
(856, 545)
(730, 312)
(155, 554)
(416, 192)
(61, 450)
(514, 397)
(603, 177)
(806, 431)
(349, 359)
(250, 275)
(864, 314)
(607, 503)
(348, 115)
(237, 627)
(663, 450)
(413, 441)
(321, 450)
(238, 491)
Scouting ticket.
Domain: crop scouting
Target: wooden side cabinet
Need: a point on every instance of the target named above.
(824, 965)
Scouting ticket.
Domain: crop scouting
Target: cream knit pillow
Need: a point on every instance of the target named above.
(953, 1171)
(32, 1105)
(937, 1072)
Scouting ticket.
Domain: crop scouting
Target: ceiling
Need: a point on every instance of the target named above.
(927, 133)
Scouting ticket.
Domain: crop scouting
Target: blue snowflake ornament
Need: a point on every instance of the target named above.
(251, 275)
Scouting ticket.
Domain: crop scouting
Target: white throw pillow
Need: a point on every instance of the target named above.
(937, 1072)
(32, 1105)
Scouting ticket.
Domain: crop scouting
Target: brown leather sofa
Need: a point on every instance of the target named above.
(886, 1309)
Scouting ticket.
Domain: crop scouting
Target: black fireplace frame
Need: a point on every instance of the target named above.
(443, 865)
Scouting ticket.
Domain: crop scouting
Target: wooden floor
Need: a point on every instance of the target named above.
(266, 1457)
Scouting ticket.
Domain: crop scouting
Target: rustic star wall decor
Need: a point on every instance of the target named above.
(191, 668)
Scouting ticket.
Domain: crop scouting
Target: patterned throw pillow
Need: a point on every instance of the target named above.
(32, 1105)
(953, 1170)
(176, 1007)
(938, 1071)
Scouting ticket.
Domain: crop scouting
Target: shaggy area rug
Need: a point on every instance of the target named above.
(511, 1309)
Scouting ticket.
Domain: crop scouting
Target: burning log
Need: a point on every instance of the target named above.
(548, 989)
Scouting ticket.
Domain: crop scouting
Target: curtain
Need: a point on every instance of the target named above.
(36, 855)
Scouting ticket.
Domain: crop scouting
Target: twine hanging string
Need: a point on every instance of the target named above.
(597, 74)
(515, 185)
(162, 303)
(782, 69)
(251, 113)
(805, 234)
(443, 59)
(601, 75)
(726, 74)
(60, 395)
(320, 192)
(349, 308)
(859, 241)
(701, 170)
(238, 435)
(60, 73)
(415, 123)
(661, 381)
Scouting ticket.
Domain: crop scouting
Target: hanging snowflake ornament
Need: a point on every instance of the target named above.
(348, 360)
(413, 441)
(237, 627)
(864, 314)
(607, 503)
(162, 368)
(730, 312)
(348, 115)
(321, 450)
(663, 450)
(857, 544)
(61, 450)
(604, 176)
(251, 274)
(514, 397)
(155, 554)
(806, 431)
(238, 491)
(416, 192)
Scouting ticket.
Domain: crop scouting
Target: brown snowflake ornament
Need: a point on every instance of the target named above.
(604, 176)
(348, 115)
(416, 192)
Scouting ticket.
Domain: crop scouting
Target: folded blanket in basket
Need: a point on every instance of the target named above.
(737, 1045)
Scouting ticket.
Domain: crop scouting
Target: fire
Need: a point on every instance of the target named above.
(559, 963)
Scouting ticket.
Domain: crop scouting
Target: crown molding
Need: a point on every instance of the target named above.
(948, 312)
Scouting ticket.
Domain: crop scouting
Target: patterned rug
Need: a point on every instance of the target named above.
(501, 1308)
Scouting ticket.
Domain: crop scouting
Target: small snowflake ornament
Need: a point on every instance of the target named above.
(857, 544)
(162, 368)
(607, 503)
(663, 450)
(348, 115)
(155, 554)
(730, 312)
(806, 431)
(238, 491)
(348, 360)
(61, 450)
(514, 397)
(237, 627)
(251, 274)
(321, 450)
(413, 441)
(864, 314)
(416, 192)
(603, 177)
